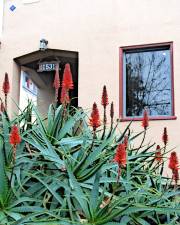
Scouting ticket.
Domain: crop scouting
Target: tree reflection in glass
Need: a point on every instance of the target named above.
(148, 82)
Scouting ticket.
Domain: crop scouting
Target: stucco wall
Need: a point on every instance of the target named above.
(96, 29)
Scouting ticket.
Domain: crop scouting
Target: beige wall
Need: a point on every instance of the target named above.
(94, 28)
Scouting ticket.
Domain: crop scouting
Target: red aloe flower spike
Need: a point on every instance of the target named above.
(6, 85)
(173, 161)
(6, 88)
(120, 156)
(104, 100)
(56, 83)
(64, 96)
(126, 141)
(95, 118)
(67, 81)
(174, 166)
(14, 139)
(175, 176)
(158, 155)
(165, 136)
(145, 121)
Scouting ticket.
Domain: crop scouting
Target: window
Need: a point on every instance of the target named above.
(146, 81)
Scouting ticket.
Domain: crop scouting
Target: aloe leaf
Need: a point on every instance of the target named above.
(69, 125)
(96, 153)
(49, 187)
(3, 178)
(5, 133)
(95, 192)
(3, 218)
(78, 193)
(124, 132)
(15, 216)
(70, 141)
(50, 119)
(109, 217)
(39, 120)
(46, 150)
(28, 217)
(91, 172)
(114, 223)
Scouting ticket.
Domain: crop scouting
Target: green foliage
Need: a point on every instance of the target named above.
(64, 175)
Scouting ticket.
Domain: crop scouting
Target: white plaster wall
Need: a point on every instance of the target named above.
(96, 29)
(1, 16)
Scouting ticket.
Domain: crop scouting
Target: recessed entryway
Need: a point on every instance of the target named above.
(37, 76)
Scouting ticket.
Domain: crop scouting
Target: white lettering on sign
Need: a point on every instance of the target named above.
(47, 67)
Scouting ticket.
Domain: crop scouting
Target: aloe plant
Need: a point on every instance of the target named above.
(63, 174)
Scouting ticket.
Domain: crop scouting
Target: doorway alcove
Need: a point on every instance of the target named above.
(43, 80)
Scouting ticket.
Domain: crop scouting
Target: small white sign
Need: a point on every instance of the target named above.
(47, 66)
(30, 1)
(28, 84)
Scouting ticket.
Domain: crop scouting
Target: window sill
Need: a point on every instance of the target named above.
(125, 119)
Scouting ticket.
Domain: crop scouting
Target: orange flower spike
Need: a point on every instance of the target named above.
(95, 118)
(15, 137)
(173, 161)
(175, 176)
(6, 85)
(120, 156)
(56, 83)
(174, 166)
(158, 155)
(145, 121)
(67, 81)
(104, 100)
(165, 136)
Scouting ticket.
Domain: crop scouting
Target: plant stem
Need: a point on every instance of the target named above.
(5, 101)
(104, 122)
(142, 139)
(119, 173)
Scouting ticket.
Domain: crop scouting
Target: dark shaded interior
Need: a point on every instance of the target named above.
(31, 61)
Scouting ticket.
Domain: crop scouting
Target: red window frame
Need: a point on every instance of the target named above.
(122, 50)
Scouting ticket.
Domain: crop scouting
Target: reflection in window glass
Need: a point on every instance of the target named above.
(148, 82)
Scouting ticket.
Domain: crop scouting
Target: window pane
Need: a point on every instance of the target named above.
(148, 82)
